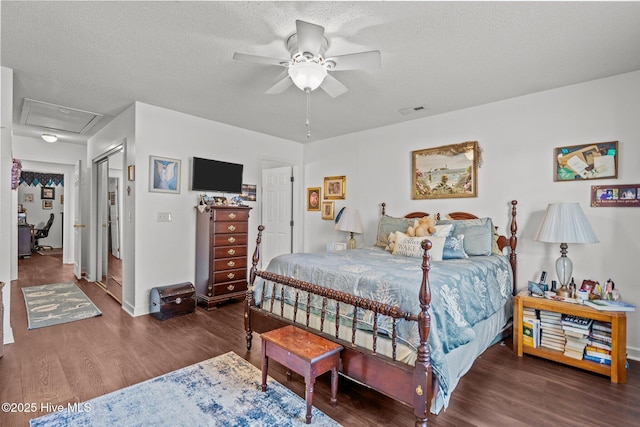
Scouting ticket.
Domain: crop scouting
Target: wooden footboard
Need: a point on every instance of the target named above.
(412, 385)
(363, 365)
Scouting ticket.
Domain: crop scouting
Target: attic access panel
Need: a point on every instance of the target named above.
(57, 117)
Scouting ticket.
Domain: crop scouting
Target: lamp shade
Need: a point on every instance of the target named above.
(565, 223)
(307, 75)
(350, 221)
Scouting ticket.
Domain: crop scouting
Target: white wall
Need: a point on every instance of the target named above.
(165, 251)
(517, 138)
(8, 216)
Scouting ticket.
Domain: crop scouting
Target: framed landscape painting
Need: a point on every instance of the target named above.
(445, 172)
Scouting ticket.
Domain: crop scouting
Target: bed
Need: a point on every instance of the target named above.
(412, 314)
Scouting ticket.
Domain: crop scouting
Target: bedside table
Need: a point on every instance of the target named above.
(616, 371)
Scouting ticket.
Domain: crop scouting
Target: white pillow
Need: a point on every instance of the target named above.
(411, 246)
(443, 230)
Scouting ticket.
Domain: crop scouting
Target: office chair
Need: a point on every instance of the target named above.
(41, 233)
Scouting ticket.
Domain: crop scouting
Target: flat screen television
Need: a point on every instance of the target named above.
(214, 175)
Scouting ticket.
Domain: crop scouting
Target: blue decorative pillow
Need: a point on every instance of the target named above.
(389, 224)
(478, 234)
(454, 248)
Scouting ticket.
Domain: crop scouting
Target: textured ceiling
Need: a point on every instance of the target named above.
(103, 56)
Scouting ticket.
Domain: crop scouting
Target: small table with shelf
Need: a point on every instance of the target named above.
(616, 371)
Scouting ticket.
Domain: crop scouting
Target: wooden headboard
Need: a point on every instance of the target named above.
(503, 241)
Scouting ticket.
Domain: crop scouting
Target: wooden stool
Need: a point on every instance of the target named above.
(305, 353)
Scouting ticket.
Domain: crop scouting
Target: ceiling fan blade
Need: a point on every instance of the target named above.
(279, 87)
(356, 61)
(309, 37)
(264, 60)
(332, 86)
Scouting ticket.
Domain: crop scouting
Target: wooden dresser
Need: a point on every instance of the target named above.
(221, 254)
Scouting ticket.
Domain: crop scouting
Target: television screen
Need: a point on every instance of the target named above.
(214, 175)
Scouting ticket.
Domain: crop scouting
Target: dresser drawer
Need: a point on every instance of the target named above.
(229, 275)
(230, 227)
(230, 252)
(230, 215)
(227, 288)
(230, 240)
(229, 263)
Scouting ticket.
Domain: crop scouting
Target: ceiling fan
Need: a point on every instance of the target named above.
(308, 67)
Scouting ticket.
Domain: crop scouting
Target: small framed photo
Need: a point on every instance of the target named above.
(618, 195)
(313, 199)
(131, 173)
(62, 199)
(164, 175)
(339, 246)
(335, 187)
(248, 192)
(28, 197)
(327, 210)
(48, 193)
(47, 204)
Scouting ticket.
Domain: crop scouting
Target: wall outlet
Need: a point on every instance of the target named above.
(164, 216)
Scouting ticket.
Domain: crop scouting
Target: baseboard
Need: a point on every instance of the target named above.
(633, 353)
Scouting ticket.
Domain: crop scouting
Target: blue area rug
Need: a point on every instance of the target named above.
(223, 391)
(49, 305)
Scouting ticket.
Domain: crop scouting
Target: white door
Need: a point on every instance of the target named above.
(277, 213)
(102, 241)
(77, 220)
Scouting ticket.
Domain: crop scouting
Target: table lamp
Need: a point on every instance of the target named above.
(565, 223)
(350, 222)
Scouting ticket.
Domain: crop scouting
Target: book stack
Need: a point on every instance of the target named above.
(576, 330)
(530, 327)
(552, 334)
(598, 347)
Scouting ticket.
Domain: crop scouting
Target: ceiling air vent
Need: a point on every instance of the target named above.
(57, 117)
(412, 110)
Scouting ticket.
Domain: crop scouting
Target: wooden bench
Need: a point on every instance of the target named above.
(304, 353)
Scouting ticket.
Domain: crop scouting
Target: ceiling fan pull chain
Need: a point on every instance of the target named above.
(308, 122)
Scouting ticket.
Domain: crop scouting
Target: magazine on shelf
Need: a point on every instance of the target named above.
(607, 305)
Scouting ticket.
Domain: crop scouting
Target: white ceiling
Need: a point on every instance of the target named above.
(103, 56)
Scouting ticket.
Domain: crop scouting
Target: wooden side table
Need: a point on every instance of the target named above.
(618, 319)
(304, 353)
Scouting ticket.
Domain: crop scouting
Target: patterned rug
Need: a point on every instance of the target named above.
(223, 391)
(49, 305)
(54, 251)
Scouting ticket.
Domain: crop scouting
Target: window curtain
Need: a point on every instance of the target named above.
(42, 178)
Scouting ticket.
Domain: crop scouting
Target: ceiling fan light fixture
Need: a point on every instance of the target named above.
(307, 75)
(50, 138)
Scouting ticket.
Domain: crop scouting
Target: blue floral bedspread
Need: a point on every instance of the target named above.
(463, 291)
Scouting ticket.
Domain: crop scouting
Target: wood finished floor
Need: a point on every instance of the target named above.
(81, 360)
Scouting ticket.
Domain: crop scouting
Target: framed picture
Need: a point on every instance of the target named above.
(625, 195)
(131, 172)
(164, 175)
(248, 192)
(47, 204)
(313, 199)
(590, 161)
(28, 197)
(445, 172)
(62, 199)
(327, 210)
(48, 193)
(335, 187)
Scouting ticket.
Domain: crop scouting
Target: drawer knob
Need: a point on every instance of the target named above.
(231, 263)
(231, 275)
(231, 251)
(231, 239)
(232, 215)
(231, 228)
(178, 300)
(231, 287)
